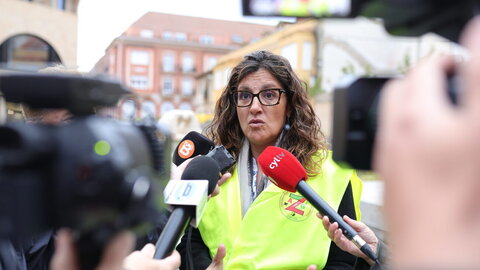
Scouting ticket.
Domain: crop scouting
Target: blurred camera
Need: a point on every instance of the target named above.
(355, 112)
(95, 175)
(355, 105)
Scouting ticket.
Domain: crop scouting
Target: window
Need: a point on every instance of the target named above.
(167, 88)
(210, 63)
(181, 36)
(148, 109)
(226, 74)
(140, 69)
(168, 62)
(187, 86)
(167, 35)
(187, 63)
(237, 39)
(167, 106)
(290, 52)
(307, 56)
(221, 78)
(27, 52)
(139, 82)
(205, 39)
(185, 106)
(217, 79)
(61, 4)
(146, 33)
(140, 58)
(128, 109)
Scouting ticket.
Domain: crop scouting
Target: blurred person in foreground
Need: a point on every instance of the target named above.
(253, 224)
(427, 151)
(37, 251)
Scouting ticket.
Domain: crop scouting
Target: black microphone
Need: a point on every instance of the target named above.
(285, 171)
(200, 168)
(194, 144)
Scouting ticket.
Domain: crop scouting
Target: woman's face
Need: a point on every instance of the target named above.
(261, 124)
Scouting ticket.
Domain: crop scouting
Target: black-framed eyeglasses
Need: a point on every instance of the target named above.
(267, 97)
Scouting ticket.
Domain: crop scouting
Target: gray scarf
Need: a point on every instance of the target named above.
(244, 174)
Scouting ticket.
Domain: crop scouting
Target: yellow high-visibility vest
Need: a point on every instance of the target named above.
(280, 230)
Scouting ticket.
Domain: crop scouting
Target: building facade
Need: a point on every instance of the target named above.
(161, 55)
(36, 34)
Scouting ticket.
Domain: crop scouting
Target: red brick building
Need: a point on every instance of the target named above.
(160, 55)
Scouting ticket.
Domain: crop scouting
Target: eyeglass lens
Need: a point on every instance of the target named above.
(268, 97)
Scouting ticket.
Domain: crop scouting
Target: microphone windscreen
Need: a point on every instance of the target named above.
(203, 168)
(282, 168)
(193, 144)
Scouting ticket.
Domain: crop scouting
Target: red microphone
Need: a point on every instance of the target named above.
(277, 163)
(286, 172)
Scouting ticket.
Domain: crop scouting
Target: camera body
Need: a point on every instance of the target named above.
(355, 106)
(355, 113)
(79, 175)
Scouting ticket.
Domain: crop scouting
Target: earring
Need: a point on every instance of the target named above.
(287, 126)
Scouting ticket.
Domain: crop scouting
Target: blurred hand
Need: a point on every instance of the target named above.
(178, 171)
(217, 262)
(114, 256)
(65, 256)
(336, 235)
(143, 260)
(428, 152)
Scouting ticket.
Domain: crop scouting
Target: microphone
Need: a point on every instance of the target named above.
(286, 172)
(194, 144)
(188, 200)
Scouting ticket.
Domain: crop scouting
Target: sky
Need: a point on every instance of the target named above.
(101, 21)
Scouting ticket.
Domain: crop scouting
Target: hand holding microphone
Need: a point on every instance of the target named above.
(285, 171)
(336, 235)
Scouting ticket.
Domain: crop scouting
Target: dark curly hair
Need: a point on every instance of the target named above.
(304, 139)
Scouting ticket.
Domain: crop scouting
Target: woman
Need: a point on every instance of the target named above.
(261, 225)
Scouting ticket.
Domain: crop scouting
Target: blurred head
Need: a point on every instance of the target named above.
(262, 124)
(47, 116)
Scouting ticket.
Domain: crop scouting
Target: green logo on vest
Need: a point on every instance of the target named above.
(294, 206)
